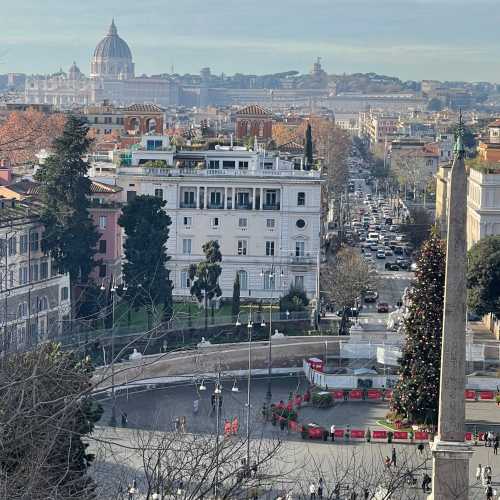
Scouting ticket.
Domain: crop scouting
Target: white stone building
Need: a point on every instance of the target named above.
(483, 204)
(34, 297)
(264, 213)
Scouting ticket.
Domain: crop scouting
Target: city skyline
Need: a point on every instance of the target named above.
(412, 39)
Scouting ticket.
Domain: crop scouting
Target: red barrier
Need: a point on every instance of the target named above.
(316, 432)
(481, 436)
(400, 435)
(421, 436)
(357, 434)
(338, 394)
(374, 393)
(468, 436)
(339, 433)
(388, 394)
(486, 395)
(470, 394)
(294, 426)
(356, 394)
(379, 435)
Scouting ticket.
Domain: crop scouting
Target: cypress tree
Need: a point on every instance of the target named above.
(235, 306)
(308, 151)
(70, 236)
(416, 396)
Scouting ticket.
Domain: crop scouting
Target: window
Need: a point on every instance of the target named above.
(44, 270)
(299, 248)
(186, 246)
(23, 275)
(12, 245)
(103, 220)
(188, 221)
(215, 222)
(242, 247)
(102, 246)
(188, 199)
(34, 272)
(214, 164)
(159, 193)
(96, 120)
(242, 222)
(228, 164)
(301, 199)
(185, 281)
(64, 293)
(3, 247)
(23, 243)
(42, 304)
(216, 199)
(102, 271)
(271, 197)
(299, 282)
(153, 145)
(243, 275)
(34, 242)
(131, 195)
(270, 223)
(261, 129)
(242, 200)
(243, 165)
(268, 280)
(301, 223)
(11, 278)
(53, 268)
(107, 120)
(269, 248)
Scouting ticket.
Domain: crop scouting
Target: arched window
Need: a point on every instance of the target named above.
(135, 124)
(151, 125)
(243, 275)
(261, 129)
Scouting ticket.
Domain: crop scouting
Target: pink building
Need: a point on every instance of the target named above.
(105, 209)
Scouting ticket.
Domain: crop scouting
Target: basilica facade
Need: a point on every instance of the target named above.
(112, 78)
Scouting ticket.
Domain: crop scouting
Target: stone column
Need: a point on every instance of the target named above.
(450, 471)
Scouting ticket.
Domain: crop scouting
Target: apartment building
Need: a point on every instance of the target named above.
(378, 128)
(34, 296)
(264, 213)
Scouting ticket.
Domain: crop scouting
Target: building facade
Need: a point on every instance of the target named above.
(264, 214)
(35, 298)
(254, 121)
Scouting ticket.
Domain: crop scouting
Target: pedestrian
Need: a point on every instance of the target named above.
(282, 424)
(347, 432)
(387, 462)
(183, 424)
(227, 428)
(320, 491)
(124, 419)
(235, 425)
(497, 398)
(368, 435)
(479, 472)
(353, 496)
(495, 447)
(332, 432)
(420, 448)
(366, 494)
(489, 492)
(289, 496)
(312, 491)
(426, 481)
(393, 459)
(177, 424)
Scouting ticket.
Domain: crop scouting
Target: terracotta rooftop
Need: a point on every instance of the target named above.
(144, 108)
(30, 188)
(496, 123)
(253, 110)
(291, 147)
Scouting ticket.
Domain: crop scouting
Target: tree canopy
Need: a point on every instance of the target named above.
(70, 235)
(295, 300)
(146, 226)
(483, 276)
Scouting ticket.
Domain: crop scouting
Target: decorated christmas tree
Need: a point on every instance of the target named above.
(416, 396)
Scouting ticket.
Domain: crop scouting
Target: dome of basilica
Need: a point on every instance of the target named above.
(112, 46)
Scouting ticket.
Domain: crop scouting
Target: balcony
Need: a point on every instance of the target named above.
(243, 206)
(216, 206)
(187, 205)
(271, 206)
(301, 260)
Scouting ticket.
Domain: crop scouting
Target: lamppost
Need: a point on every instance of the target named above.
(270, 276)
(113, 291)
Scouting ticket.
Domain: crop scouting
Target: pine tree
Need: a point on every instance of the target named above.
(70, 235)
(235, 306)
(308, 152)
(416, 395)
(205, 276)
(145, 273)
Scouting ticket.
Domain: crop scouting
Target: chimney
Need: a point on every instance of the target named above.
(5, 172)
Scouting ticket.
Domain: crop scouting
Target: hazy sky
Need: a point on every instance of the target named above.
(412, 39)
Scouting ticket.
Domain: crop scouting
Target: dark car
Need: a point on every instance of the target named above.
(391, 266)
(351, 312)
(383, 307)
(404, 264)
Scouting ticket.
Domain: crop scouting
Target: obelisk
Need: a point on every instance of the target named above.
(450, 465)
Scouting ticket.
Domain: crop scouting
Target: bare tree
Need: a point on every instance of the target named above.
(345, 279)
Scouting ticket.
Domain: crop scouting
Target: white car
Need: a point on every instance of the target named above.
(380, 254)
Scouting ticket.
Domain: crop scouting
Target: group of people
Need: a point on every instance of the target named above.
(491, 439)
(316, 492)
(231, 427)
(483, 474)
(180, 424)
(392, 460)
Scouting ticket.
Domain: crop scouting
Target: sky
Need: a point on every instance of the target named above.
(410, 39)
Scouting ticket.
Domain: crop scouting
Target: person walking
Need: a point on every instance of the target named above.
(320, 487)
(489, 492)
(426, 481)
(393, 456)
(312, 491)
(124, 419)
(495, 446)
(420, 448)
(479, 472)
(332, 432)
(366, 494)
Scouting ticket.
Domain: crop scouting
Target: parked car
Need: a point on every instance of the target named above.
(391, 266)
(383, 307)
(351, 312)
(371, 296)
(388, 252)
(373, 247)
(380, 254)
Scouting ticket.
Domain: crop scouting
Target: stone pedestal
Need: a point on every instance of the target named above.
(450, 471)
